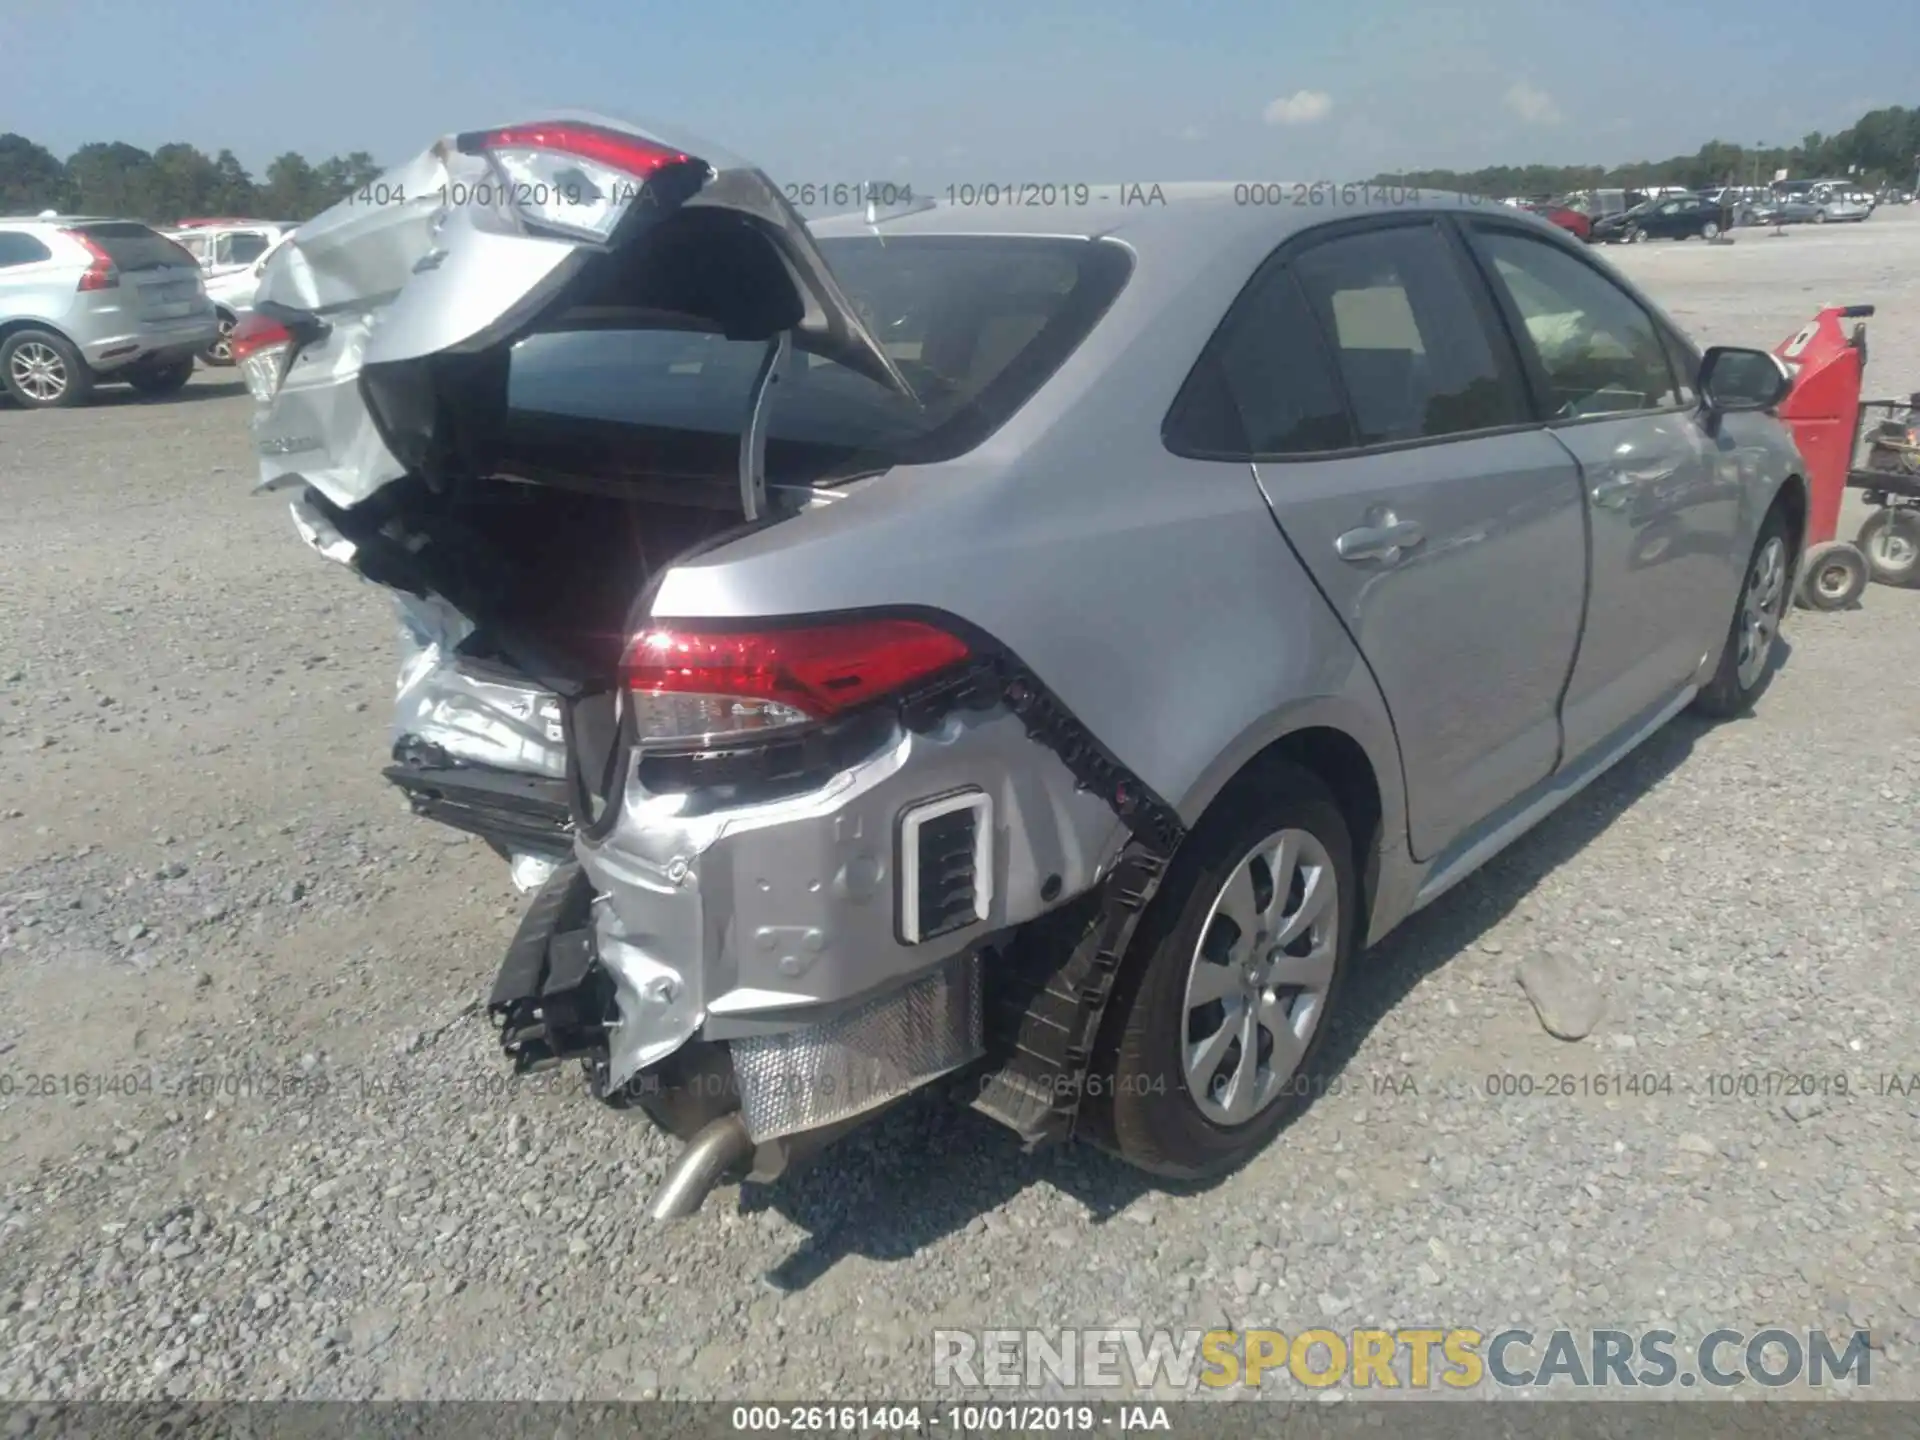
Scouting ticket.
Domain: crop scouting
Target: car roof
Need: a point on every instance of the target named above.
(1197, 216)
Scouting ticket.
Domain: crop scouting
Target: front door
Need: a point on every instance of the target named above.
(1660, 522)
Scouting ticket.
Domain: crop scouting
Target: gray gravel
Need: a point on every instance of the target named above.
(321, 1185)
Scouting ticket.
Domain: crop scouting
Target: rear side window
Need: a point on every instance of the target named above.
(1599, 352)
(19, 248)
(976, 324)
(1265, 385)
(133, 246)
(1411, 345)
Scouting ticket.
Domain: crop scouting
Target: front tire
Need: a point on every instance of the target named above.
(1746, 661)
(1222, 1002)
(1891, 542)
(42, 371)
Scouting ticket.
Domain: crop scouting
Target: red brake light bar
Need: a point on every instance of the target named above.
(99, 274)
(256, 333)
(695, 684)
(627, 153)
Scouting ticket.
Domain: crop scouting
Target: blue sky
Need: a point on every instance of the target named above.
(1065, 90)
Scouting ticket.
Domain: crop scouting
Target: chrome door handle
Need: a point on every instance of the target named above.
(1613, 494)
(1383, 541)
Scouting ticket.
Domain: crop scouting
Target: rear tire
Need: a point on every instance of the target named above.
(168, 379)
(1746, 661)
(1196, 984)
(43, 371)
(1891, 542)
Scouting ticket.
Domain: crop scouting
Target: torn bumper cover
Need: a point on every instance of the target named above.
(826, 942)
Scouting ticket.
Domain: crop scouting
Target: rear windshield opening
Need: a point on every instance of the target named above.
(133, 246)
(976, 324)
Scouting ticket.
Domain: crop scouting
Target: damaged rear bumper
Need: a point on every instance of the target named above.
(805, 959)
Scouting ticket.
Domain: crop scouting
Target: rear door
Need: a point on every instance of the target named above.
(1663, 529)
(159, 279)
(1438, 519)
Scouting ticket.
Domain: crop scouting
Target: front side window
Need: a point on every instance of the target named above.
(241, 248)
(1414, 353)
(1599, 351)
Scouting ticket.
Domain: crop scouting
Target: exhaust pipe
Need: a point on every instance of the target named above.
(719, 1147)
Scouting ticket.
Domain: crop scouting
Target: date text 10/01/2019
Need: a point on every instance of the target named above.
(995, 194)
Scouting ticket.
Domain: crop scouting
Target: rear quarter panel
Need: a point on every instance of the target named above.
(1154, 595)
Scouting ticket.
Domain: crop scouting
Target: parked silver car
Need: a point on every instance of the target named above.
(1045, 644)
(85, 301)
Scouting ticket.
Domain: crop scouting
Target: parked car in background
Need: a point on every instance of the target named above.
(85, 301)
(1682, 217)
(1816, 202)
(1574, 222)
(851, 755)
(1599, 204)
(221, 245)
(229, 249)
(232, 294)
(1838, 200)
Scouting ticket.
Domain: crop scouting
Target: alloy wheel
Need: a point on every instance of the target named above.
(1257, 984)
(38, 370)
(221, 350)
(1760, 608)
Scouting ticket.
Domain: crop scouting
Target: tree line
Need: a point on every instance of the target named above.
(175, 181)
(172, 182)
(1881, 148)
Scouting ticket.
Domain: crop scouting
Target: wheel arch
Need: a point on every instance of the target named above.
(10, 328)
(1791, 501)
(1363, 775)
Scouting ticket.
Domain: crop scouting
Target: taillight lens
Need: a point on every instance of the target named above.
(99, 274)
(261, 348)
(568, 176)
(694, 685)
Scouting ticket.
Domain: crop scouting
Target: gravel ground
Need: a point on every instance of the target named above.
(203, 878)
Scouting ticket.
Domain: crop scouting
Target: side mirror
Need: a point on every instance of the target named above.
(1732, 379)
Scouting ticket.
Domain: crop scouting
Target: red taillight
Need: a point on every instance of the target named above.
(100, 274)
(257, 333)
(261, 349)
(589, 142)
(693, 684)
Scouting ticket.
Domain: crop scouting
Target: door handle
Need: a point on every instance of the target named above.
(1383, 541)
(1613, 494)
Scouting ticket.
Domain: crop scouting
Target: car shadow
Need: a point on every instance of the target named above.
(929, 1168)
(195, 389)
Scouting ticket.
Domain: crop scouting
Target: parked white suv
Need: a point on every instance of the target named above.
(231, 254)
(85, 301)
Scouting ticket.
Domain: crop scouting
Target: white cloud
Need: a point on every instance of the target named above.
(1531, 104)
(1303, 107)
(1193, 132)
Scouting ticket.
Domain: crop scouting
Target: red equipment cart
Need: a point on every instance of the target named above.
(1826, 415)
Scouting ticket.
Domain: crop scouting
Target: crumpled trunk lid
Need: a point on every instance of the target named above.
(405, 297)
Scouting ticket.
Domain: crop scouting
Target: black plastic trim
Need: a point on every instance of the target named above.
(519, 812)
